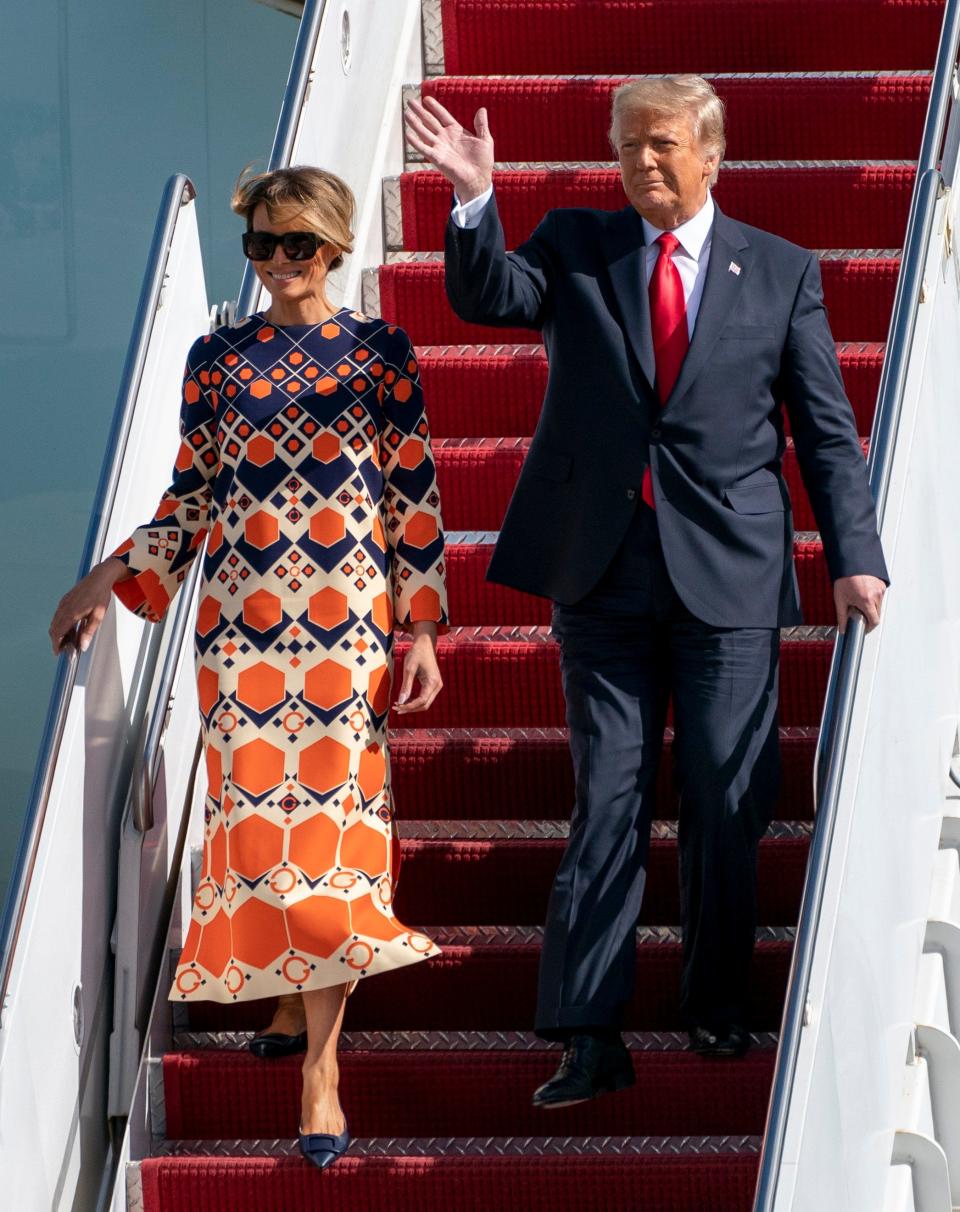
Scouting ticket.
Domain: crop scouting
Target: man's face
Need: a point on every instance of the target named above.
(664, 169)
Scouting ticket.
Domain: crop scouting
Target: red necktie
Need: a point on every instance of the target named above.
(668, 320)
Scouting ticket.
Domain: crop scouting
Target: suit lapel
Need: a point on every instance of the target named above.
(626, 269)
(721, 291)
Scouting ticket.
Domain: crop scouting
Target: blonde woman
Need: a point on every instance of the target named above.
(305, 462)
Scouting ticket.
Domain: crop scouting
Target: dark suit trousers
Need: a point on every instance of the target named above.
(625, 649)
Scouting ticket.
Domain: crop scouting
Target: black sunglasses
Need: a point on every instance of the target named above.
(297, 245)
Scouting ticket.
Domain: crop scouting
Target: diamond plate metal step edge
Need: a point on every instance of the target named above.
(134, 1185)
(877, 348)
(876, 74)
(411, 164)
(431, 33)
(546, 736)
(535, 830)
(449, 1041)
(502, 442)
(370, 294)
(523, 166)
(393, 208)
(805, 633)
(522, 936)
(487, 538)
(460, 1146)
(401, 256)
(553, 736)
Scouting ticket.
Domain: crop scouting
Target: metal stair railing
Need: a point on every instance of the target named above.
(178, 192)
(845, 665)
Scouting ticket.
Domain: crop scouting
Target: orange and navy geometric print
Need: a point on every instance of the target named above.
(305, 463)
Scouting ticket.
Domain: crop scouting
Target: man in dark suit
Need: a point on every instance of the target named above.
(652, 510)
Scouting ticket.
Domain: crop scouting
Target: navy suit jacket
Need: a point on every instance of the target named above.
(714, 449)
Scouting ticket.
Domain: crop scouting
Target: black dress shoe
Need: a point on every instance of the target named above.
(323, 1148)
(730, 1041)
(590, 1066)
(274, 1044)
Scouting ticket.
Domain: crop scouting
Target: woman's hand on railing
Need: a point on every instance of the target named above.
(420, 665)
(86, 603)
(858, 594)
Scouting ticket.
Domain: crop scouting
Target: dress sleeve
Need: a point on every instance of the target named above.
(414, 529)
(160, 552)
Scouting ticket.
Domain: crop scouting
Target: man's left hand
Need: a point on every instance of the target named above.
(862, 594)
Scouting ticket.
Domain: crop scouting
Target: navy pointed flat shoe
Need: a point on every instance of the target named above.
(323, 1148)
(275, 1044)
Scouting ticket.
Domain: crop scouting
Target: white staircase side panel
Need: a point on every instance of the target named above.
(52, 1088)
(351, 122)
(846, 1103)
(899, 1197)
(931, 1004)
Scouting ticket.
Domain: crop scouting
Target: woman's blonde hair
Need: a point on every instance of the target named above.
(323, 198)
(671, 95)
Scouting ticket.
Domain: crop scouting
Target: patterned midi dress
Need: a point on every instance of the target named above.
(305, 463)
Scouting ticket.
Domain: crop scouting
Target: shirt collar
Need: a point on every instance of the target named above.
(692, 235)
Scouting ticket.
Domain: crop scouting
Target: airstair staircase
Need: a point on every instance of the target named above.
(829, 103)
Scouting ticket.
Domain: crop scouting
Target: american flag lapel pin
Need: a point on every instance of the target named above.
(734, 268)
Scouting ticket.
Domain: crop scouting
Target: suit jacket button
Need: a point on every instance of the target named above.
(631, 493)
(655, 433)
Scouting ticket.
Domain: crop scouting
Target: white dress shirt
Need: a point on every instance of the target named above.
(690, 258)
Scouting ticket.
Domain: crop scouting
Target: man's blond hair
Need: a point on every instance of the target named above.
(670, 95)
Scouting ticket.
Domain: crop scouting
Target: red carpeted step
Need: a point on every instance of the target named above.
(476, 479)
(855, 117)
(498, 37)
(231, 1095)
(863, 206)
(858, 292)
(567, 1182)
(493, 987)
(502, 881)
(474, 601)
(497, 391)
(504, 775)
(495, 678)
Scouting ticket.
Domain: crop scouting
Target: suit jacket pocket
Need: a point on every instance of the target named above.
(549, 464)
(756, 498)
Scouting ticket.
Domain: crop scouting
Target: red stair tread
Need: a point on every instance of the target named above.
(476, 481)
(562, 1183)
(858, 292)
(561, 36)
(496, 391)
(465, 776)
(864, 206)
(475, 601)
(503, 683)
(506, 882)
(492, 987)
(793, 118)
(230, 1095)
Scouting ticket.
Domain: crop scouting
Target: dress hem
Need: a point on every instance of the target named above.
(225, 998)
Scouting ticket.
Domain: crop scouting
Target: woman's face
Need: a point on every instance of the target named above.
(291, 281)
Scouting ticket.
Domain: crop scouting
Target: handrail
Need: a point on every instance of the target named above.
(294, 97)
(146, 775)
(841, 687)
(179, 190)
